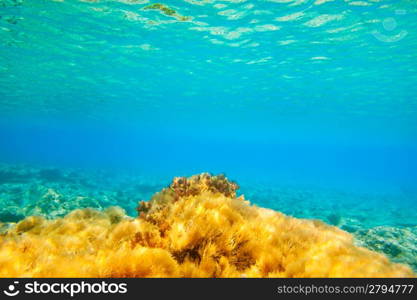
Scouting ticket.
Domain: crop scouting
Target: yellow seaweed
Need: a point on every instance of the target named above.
(197, 227)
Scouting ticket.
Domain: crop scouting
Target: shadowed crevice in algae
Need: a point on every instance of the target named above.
(196, 227)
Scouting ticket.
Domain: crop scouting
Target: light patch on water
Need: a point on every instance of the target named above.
(233, 35)
(199, 23)
(252, 45)
(259, 61)
(358, 28)
(144, 47)
(227, 12)
(132, 16)
(320, 2)
(200, 3)
(322, 20)
(136, 2)
(360, 3)
(235, 1)
(373, 21)
(266, 27)
(214, 30)
(238, 44)
(147, 47)
(216, 41)
(130, 2)
(219, 6)
(341, 29)
(319, 58)
(259, 12)
(224, 31)
(344, 38)
(249, 6)
(291, 17)
(286, 42)
(281, 1)
(300, 2)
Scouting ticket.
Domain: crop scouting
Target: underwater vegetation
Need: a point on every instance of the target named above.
(51, 192)
(167, 11)
(196, 227)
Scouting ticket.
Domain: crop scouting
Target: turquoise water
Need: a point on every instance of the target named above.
(310, 105)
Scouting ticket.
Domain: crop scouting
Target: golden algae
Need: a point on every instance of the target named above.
(197, 227)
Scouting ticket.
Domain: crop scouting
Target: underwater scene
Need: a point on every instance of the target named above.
(208, 138)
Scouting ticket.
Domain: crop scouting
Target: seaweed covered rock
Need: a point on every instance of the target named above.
(197, 227)
(193, 186)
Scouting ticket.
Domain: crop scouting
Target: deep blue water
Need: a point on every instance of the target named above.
(321, 93)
